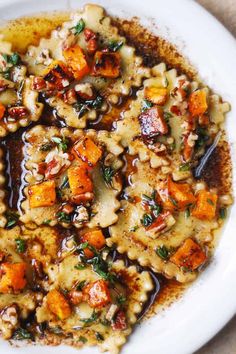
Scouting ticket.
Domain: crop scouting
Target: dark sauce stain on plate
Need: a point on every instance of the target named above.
(26, 31)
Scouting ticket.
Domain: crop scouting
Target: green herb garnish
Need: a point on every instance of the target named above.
(152, 203)
(22, 334)
(167, 116)
(80, 266)
(63, 217)
(134, 228)
(84, 107)
(223, 213)
(99, 336)
(46, 222)
(81, 284)
(20, 245)
(108, 173)
(91, 319)
(146, 105)
(13, 59)
(187, 213)
(65, 183)
(209, 201)
(46, 147)
(79, 27)
(121, 299)
(173, 201)
(163, 252)
(61, 142)
(114, 46)
(12, 219)
(146, 220)
(82, 339)
(185, 167)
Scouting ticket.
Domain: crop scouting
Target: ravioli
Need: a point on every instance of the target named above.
(45, 147)
(115, 178)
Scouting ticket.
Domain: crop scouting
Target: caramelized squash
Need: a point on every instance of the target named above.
(97, 294)
(2, 110)
(156, 95)
(58, 75)
(180, 194)
(79, 180)
(58, 304)
(205, 208)
(94, 238)
(42, 194)
(86, 150)
(189, 255)
(12, 277)
(76, 60)
(198, 103)
(107, 64)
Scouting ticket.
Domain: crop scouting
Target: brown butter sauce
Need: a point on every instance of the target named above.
(25, 31)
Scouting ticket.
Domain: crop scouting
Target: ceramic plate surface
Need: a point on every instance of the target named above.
(211, 301)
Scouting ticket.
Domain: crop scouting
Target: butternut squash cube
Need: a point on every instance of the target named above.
(198, 103)
(205, 208)
(42, 194)
(189, 255)
(76, 60)
(156, 95)
(12, 277)
(86, 150)
(94, 238)
(97, 294)
(58, 304)
(79, 180)
(180, 194)
(106, 64)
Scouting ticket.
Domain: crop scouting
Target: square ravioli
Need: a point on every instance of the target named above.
(19, 105)
(87, 47)
(72, 177)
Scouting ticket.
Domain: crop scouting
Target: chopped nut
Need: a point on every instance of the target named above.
(111, 312)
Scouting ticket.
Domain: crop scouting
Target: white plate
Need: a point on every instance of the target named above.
(211, 301)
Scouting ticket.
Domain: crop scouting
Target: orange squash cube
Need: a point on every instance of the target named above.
(94, 238)
(2, 110)
(58, 304)
(205, 208)
(57, 74)
(86, 150)
(12, 277)
(97, 294)
(198, 103)
(156, 95)
(76, 60)
(79, 180)
(42, 194)
(107, 65)
(180, 194)
(189, 255)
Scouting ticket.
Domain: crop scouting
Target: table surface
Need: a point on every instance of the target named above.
(225, 341)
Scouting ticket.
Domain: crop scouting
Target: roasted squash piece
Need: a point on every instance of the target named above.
(76, 60)
(205, 207)
(12, 277)
(198, 103)
(189, 255)
(42, 194)
(2, 110)
(58, 304)
(86, 150)
(152, 122)
(97, 294)
(162, 190)
(106, 64)
(180, 194)
(156, 95)
(79, 180)
(94, 238)
(58, 75)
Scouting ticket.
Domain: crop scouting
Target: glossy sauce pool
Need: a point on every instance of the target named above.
(25, 31)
